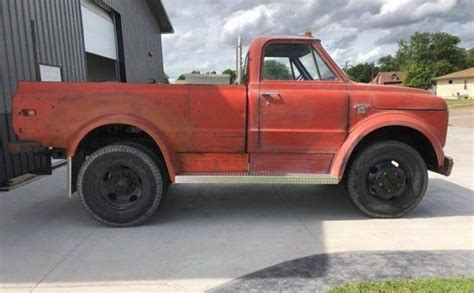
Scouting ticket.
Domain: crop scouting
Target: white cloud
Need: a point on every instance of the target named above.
(393, 6)
(191, 40)
(370, 56)
(431, 8)
(242, 21)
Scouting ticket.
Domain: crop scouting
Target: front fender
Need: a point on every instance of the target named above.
(379, 121)
(169, 156)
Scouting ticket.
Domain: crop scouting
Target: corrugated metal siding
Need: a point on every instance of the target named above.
(60, 39)
(141, 35)
(57, 30)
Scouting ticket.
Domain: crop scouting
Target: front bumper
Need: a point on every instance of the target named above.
(447, 166)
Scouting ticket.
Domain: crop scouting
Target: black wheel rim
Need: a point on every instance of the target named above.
(388, 181)
(121, 187)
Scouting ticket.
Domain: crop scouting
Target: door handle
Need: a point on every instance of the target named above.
(272, 98)
(270, 94)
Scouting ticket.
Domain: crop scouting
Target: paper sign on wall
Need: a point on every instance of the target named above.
(50, 73)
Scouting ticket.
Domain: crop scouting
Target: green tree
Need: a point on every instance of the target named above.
(417, 75)
(363, 72)
(470, 58)
(181, 77)
(166, 79)
(274, 70)
(427, 55)
(388, 63)
(232, 74)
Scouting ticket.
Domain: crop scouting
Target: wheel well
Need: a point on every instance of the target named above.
(110, 134)
(407, 135)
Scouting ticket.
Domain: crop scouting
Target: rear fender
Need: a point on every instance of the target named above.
(379, 121)
(168, 154)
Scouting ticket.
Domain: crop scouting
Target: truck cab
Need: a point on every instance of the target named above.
(296, 118)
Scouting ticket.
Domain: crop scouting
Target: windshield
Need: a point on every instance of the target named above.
(294, 62)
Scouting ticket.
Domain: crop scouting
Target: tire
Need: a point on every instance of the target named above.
(387, 180)
(148, 149)
(121, 185)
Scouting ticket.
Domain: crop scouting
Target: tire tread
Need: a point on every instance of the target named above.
(365, 155)
(156, 172)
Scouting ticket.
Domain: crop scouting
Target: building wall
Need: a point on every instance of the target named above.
(32, 32)
(137, 22)
(450, 91)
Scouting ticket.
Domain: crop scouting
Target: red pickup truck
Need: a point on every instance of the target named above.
(296, 119)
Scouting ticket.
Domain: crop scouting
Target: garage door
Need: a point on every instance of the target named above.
(99, 31)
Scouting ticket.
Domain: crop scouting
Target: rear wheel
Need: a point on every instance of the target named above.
(121, 185)
(387, 180)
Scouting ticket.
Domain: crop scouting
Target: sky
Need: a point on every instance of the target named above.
(352, 31)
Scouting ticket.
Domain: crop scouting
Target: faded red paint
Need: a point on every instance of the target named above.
(291, 163)
(311, 126)
(210, 162)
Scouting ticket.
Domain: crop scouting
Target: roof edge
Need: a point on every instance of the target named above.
(452, 77)
(465, 73)
(161, 16)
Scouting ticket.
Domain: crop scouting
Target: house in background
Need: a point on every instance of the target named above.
(389, 78)
(195, 78)
(74, 40)
(456, 85)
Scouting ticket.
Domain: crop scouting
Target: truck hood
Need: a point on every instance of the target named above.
(386, 97)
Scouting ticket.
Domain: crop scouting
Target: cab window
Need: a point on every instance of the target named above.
(294, 62)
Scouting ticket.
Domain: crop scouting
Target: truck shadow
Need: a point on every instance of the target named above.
(325, 203)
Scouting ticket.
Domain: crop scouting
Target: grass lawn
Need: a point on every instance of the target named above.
(453, 104)
(424, 285)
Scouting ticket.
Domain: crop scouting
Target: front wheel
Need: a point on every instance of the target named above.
(121, 185)
(387, 180)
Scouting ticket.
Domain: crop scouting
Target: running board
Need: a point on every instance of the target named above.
(256, 178)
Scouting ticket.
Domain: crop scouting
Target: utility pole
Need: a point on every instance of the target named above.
(346, 66)
(239, 60)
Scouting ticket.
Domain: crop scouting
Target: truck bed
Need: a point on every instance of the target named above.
(188, 116)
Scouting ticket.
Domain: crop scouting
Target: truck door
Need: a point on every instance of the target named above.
(303, 106)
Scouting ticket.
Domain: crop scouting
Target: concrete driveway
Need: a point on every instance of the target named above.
(206, 236)
(462, 117)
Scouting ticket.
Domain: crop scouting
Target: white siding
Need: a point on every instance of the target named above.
(456, 89)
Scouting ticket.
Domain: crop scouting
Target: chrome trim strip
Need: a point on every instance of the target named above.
(69, 177)
(267, 178)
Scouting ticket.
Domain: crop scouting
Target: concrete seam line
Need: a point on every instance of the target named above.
(296, 216)
(64, 258)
